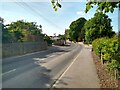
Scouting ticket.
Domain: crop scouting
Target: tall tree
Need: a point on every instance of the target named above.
(98, 26)
(76, 28)
(67, 33)
(6, 36)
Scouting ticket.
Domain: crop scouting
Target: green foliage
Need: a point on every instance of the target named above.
(20, 31)
(67, 31)
(76, 31)
(6, 35)
(97, 45)
(56, 4)
(102, 6)
(108, 48)
(62, 37)
(105, 6)
(48, 39)
(114, 64)
(97, 27)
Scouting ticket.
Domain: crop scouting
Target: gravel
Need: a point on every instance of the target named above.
(106, 80)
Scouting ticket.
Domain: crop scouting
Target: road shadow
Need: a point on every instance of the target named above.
(28, 73)
(28, 58)
(31, 76)
(41, 54)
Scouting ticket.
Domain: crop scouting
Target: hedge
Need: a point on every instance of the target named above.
(107, 49)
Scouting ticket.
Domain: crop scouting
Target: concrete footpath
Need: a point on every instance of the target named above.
(81, 74)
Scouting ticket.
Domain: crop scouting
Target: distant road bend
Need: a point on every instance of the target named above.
(39, 69)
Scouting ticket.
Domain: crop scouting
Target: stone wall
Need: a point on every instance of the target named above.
(14, 49)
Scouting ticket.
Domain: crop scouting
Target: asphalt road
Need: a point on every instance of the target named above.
(39, 69)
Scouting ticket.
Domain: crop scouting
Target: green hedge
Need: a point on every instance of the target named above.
(107, 49)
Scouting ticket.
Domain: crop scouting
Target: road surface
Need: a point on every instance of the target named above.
(39, 69)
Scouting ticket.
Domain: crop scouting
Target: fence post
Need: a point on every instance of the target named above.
(101, 58)
(115, 73)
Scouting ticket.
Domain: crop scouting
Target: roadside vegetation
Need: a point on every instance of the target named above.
(107, 50)
(89, 30)
(47, 39)
(98, 32)
(22, 31)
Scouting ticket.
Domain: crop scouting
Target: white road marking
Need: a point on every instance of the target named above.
(51, 55)
(9, 71)
(48, 85)
(39, 59)
(43, 59)
(57, 81)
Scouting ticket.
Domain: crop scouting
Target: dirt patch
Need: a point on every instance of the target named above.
(106, 80)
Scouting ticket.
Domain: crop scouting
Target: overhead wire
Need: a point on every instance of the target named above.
(25, 5)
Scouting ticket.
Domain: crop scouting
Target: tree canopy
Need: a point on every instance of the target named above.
(98, 26)
(76, 29)
(105, 6)
(20, 31)
(56, 4)
(102, 6)
(48, 39)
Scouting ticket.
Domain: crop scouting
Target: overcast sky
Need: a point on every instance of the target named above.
(43, 13)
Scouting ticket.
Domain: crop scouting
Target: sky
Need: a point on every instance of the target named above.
(43, 13)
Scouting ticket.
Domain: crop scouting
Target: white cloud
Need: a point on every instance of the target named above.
(80, 13)
(7, 22)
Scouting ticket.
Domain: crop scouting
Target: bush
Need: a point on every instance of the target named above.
(98, 44)
(107, 48)
(48, 40)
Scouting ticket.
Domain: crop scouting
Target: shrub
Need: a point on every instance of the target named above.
(107, 48)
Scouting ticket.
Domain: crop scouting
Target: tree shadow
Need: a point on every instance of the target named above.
(27, 72)
(7, 63)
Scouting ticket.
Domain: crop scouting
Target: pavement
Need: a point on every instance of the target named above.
(81, 74)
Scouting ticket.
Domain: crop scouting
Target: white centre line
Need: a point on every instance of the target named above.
(9, 71)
